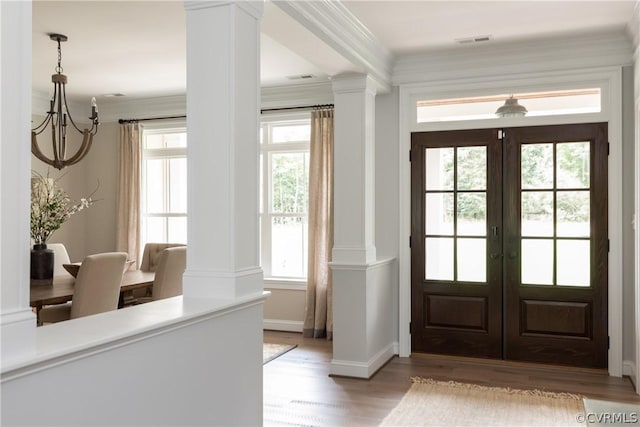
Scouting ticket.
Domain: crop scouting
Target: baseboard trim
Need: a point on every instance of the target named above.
(283, 325)
(346, 368)
(629, 368)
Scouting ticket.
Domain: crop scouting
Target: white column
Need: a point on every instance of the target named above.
(362, 285)
(17, 322)
(354, 169)
(223, 93)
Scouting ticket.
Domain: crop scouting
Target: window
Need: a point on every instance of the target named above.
(284, 197)
(164, 185)
(577, 101)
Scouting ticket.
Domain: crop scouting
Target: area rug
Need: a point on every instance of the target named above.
(438, 403)
(270, 351)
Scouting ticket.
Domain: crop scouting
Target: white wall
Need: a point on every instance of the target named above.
(628, 191)
(387, 206)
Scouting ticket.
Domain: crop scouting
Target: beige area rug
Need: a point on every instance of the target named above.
(438, 403)
(271, 351)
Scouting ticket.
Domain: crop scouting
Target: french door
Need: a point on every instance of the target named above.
(509, 244)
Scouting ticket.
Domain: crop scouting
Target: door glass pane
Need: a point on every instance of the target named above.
(438, 258)
(439, 213)
(537, 166)
(573, 213)
(472, 260)
(573, 165)
(573, 263)
(472, 168)
(537, 213)
(472, 214)
(439, 168)
(537, 261)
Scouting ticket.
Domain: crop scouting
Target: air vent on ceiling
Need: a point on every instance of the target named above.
(301, 77)
(475, 39)
(113, 95)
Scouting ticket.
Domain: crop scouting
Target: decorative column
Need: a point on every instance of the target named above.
(354, 201)
(17, 322)
(362, 334)
(223, 71)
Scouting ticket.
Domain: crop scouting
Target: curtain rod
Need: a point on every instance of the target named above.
(304, 107)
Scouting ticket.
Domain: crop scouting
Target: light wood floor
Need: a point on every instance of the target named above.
(299, 391)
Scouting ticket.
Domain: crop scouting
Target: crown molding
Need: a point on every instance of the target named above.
(111, 110)
(633, 27)
(602, 49)
(333, 23)
(296, 95)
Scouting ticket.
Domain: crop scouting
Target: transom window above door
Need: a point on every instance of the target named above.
(549, 103)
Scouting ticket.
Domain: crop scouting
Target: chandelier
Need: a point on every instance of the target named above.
(59, 118)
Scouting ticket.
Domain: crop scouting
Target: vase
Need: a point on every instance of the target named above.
(41, 262)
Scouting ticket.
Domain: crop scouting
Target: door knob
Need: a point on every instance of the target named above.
(513, 255)
(494, 255)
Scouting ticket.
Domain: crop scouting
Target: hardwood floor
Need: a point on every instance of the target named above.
(299, 391)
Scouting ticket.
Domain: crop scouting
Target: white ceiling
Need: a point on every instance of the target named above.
(138, 47)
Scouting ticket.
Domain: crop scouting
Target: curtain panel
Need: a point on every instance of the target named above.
(128, 191)
(318, 312)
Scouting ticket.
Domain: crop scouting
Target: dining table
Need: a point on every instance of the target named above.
(60, 288)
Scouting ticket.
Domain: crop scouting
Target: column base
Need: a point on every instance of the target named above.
(18, 331)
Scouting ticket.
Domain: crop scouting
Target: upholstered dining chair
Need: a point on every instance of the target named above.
(60, 256)
(150, 259)
(169, 270)
(151, 254)
(96, 289)
(168, 280)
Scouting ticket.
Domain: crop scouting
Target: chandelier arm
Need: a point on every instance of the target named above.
(87, 140)
(64, 96)
(35, 149)
(42, 126)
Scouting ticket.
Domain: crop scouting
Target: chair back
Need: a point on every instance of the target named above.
(151, 254)
(60, 256)
(168, 278)
(97, 285)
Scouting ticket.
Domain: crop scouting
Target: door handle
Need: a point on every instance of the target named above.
(513, 255)
(494, 255)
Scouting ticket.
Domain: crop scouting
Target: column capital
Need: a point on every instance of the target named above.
(254, 8)
(353, 82)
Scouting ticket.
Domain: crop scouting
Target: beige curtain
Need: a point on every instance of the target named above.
(128, 193)
(318, 312)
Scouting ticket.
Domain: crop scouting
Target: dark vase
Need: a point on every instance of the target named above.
(41, 262)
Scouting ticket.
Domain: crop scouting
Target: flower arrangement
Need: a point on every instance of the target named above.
(51, 206)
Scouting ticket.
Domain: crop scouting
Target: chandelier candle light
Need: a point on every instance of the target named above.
(57, 116)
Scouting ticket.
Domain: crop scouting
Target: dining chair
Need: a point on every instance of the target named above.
(167, 282)
(96, 289)
(150, 259)
(60, 256)
(168, 279)
(151, 254)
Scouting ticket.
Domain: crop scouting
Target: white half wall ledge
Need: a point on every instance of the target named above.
(347, 368)
(68, 341)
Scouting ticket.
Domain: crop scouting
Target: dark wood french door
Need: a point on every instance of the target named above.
(509, 244)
